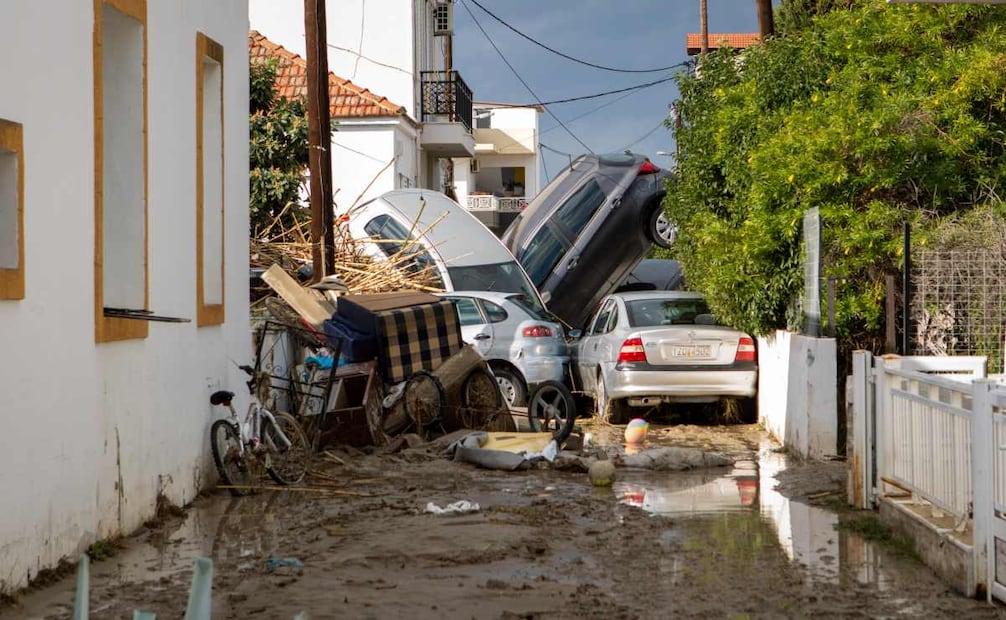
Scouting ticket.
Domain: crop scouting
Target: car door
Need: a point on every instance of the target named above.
(475, 327)
(589, 348)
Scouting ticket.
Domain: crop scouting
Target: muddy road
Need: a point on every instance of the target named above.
(758, 540)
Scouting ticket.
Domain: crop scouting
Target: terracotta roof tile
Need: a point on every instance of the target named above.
(345, 98)
(735, 40)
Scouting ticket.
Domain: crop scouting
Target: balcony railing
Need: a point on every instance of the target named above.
(496, 203)
(445, 94)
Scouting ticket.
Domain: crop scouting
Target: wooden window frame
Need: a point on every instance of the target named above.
(12, 279)
(109, 329)
(208, 314)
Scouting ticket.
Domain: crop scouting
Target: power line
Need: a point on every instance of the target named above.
(647, 135)
(517, 75)
(595, 109)
(567, 56)
(610, 92)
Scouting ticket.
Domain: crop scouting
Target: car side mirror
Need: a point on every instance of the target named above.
(705, 319)
(575, 333)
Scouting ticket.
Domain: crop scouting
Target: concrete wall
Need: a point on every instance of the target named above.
(93, 432)
(797, 392)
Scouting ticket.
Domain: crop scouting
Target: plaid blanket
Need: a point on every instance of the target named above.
(416, 338)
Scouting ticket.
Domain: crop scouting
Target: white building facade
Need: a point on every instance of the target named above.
(394, 48)
(502, 178)
(123, 198)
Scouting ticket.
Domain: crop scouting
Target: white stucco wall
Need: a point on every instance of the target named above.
(368, 156)
(92, 432)
(797, 392)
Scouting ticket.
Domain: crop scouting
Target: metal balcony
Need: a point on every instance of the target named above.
(446, 115)
(446, 97)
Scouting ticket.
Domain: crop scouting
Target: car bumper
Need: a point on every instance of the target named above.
(537, 370)
(682, 385)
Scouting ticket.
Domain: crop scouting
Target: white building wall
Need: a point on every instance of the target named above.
(92, 432)
(372, 44)
(363, 165)
(797, 392)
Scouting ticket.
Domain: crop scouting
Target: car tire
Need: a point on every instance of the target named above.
(749, 410)
(610, 411)
(659, 228)
(512, 386)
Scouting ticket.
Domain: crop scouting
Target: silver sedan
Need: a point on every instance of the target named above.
(524, 346)
(646, 348)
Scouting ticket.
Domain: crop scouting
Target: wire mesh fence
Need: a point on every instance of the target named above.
(958, 303)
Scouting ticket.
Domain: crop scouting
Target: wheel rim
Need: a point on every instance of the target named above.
(289, 464)
(229, 448)
(601, 397)
(508, 390)
(664, 229)
(548, 406)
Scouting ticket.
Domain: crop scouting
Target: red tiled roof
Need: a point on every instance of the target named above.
(346, 99)
(735, 40)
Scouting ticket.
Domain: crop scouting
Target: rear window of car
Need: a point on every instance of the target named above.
(396, 242)
(500, 277)
(655, 312)
(533, 311)
(541, 255)
(581, 206)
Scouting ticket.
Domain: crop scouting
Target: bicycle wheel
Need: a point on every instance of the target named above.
(285, 465)
(231, 464)
(482, 398)
(551, 408)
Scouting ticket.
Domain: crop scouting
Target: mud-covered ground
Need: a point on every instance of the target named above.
(756, 540)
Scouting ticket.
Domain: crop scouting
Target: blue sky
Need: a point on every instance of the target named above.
(633, 34)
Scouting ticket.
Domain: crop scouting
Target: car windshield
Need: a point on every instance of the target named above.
(655, 312)
(500, 277)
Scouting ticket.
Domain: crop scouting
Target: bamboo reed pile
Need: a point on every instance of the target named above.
(290, 248)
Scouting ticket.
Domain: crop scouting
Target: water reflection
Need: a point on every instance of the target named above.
(751, 517)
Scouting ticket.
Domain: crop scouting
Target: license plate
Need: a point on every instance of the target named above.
(690, 350)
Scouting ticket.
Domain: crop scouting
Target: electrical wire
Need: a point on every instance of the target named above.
(567, 56)
(595, 109)
(647, 135)
(519, 78)
(609, 92)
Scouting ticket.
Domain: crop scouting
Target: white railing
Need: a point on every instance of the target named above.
(934, 428)
(496, 203)
(927, 432)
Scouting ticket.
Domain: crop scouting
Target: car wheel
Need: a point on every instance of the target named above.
(610, 411)
(511, 386)
(661, 230)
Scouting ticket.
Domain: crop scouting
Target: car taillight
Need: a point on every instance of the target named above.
(632, 351)
(647, 168)
(537, 331)
(745, 350)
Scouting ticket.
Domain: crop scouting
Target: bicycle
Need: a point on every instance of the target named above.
(273, 440)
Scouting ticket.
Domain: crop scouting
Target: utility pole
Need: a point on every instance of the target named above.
(452, 96)
(704, 24)
(766, 24)
(319, 140)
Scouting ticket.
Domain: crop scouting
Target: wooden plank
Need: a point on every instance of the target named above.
(308, 303)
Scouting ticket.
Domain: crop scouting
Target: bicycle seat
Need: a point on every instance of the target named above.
(221, 397)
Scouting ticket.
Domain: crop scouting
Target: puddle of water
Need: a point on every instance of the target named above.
(744, 497)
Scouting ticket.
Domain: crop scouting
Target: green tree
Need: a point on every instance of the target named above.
(877, 114)
(278, 153)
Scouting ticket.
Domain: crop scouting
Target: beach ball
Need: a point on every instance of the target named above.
(635, 430)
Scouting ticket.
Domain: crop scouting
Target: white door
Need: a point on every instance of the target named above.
(475, 328)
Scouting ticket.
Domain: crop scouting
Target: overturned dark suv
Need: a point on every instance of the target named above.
(583, 234)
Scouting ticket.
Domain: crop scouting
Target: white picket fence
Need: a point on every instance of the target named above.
(935, 428)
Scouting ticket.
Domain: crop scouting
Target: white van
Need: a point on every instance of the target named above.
(467, 255)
